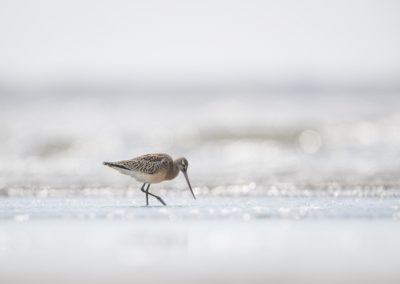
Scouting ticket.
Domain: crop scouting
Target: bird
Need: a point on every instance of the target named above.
(152, 168)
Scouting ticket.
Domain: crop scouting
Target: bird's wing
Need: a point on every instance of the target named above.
(148, 164)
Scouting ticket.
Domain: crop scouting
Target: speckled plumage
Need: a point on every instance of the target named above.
(150, 168)
(147, 164)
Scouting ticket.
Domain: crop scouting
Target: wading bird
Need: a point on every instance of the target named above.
(152, 168)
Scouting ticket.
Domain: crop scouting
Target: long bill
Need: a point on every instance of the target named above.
(188, 182)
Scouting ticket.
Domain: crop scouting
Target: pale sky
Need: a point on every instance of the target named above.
(178, 40)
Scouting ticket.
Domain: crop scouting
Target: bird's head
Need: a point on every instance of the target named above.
(183, 164)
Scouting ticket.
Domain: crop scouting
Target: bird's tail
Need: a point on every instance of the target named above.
(115, 165)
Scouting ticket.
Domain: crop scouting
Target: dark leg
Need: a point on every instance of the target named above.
(158, 197)
(148, 193)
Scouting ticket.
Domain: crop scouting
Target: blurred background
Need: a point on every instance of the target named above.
(288, 112)
(248, 91)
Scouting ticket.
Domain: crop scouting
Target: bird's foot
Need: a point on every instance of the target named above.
(162, 201)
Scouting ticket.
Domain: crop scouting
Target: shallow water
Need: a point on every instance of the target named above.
(205, 208)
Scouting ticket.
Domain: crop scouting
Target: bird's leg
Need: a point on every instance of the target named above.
(156, 196)
(147, 194)
(146, 191)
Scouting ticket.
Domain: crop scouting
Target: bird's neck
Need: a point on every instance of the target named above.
(173, 171)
